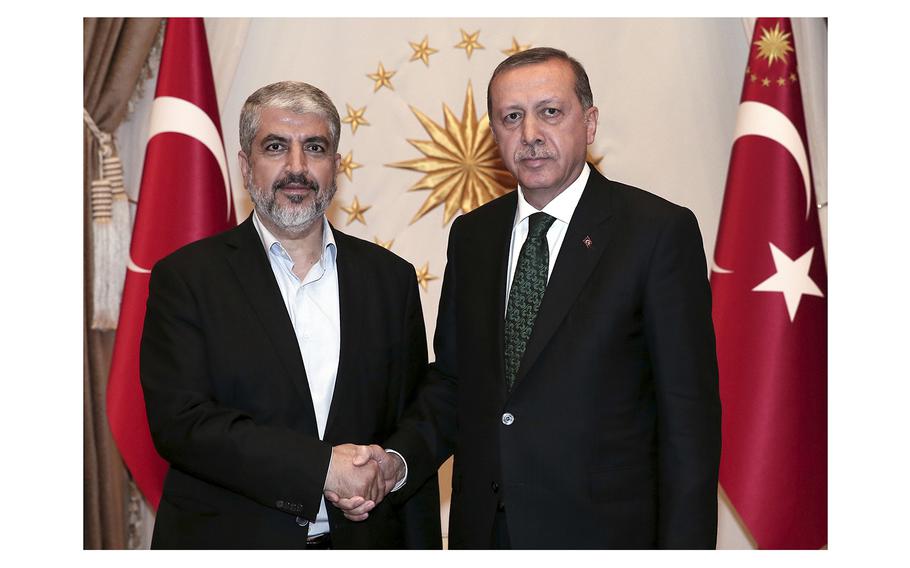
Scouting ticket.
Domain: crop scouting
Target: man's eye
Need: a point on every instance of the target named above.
(512, 116)
(551, 112)
(274, 147)
(315, 148)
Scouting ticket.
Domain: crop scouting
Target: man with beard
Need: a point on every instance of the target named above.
(274, 353)
(575, 376)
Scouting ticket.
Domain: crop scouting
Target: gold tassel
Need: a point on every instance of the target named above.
(110, 232)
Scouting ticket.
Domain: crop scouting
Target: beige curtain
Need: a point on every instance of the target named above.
(115, 51)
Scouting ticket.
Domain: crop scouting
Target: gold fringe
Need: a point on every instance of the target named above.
(110, 231)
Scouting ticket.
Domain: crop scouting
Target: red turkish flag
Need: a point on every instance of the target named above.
(184, 196)
(769, 284)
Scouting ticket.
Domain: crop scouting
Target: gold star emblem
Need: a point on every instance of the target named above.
(774, 44)
(387, 245)
(469, 42)
(355, 117)
(516, 48)
(348, 165)
(424, 276)
(752, 78)
(355, 211)
(382, 78)
(766, 82)
(461, 163)
(422, 51)
(781, 82)
(792, 77)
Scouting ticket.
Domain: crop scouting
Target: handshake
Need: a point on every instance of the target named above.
(360, 477)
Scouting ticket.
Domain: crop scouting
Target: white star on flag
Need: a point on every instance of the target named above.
(791, 279)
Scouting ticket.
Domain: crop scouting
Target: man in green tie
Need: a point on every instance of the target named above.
(575, 376)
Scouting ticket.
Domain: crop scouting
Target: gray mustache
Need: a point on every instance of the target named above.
(534, 153)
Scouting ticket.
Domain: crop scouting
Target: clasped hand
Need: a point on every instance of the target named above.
(360, 477)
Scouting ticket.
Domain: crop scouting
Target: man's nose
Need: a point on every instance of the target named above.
(530, 131)
(297, 160)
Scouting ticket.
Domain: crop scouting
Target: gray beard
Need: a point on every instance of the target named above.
(294, 218)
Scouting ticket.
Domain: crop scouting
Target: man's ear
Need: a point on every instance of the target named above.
(244, 166)
(591, 123)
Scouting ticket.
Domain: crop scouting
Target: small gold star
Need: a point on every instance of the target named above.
(766, 82)
(387, 245)
(752, 78)
(381, 76)
(516, 48)
(422, 51)
(792, 77)
(348, 165)
(469, 42)
(748, 69)
(355, 211)
(781, 82)
(424, 276)
(355, 117)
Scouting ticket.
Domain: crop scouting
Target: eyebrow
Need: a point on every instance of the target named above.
(538, 104)
(309, 140)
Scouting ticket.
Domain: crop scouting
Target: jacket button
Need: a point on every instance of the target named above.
(302, 522)
(507, 419)
(495, 487)
(279, 504)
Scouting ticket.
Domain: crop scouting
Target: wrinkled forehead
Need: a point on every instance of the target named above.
(285, 122)
(535, 83)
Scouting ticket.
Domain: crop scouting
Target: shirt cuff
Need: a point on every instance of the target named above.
(404, 479)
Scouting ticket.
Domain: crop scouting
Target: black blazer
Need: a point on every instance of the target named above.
(614, 434)
(229, 405)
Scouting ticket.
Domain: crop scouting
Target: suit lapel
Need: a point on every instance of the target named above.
(490, 299)
(253, 271)
(587, 237)
(351, 302)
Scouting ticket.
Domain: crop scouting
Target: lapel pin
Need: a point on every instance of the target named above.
(587, 242)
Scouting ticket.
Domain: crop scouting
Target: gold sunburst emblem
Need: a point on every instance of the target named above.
(461, 163)
(774, 44)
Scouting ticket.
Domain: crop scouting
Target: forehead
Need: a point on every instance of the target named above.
(528, 84)
(285, 122)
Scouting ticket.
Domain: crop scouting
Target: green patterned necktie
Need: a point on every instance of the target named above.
(528, 286)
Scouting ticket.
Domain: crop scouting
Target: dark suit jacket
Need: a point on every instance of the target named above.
(614, 440)
(229, 404)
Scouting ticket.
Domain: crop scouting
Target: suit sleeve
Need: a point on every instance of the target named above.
(425, 435)
(419, 508)
(274, 466)
(680, 338)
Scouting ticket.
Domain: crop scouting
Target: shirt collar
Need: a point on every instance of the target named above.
(271, 244)
(562, 206)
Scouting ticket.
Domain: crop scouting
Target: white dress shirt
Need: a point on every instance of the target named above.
(313, 307)
(561, 208)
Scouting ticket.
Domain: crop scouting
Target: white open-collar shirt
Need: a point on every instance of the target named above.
(313, 307)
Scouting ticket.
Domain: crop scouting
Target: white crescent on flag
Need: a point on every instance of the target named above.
(170, 114)
(764, 120)
(136, 268)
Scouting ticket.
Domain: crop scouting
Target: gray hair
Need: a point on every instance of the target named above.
(541, 55)
(295, 96)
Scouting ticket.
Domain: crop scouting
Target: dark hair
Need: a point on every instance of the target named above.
(541, 55)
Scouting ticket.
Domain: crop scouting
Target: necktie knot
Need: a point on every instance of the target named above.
(538, 225)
